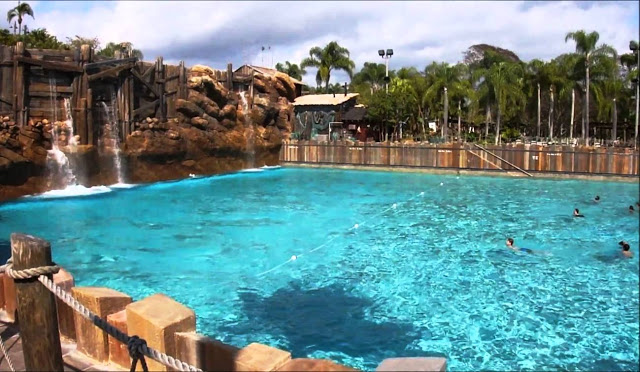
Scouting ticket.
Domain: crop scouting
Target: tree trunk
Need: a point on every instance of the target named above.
(459, 123)
(498, 126)
(446, 115)
(488, 120)
(573, 102)
(587, 104)
(550, 113)
(538, 112)
(615, 121)
(584, 113)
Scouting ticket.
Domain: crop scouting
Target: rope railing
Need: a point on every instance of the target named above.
(136, 346)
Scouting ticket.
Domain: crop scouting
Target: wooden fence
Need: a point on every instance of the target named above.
(531, 158)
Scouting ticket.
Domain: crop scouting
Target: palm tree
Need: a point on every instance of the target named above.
(608, 91)
(18, 12)
(331, 57)
(372, 74)
(506, 80)
(444, 80)
(589, 51)
(535, 77)
(291, 69)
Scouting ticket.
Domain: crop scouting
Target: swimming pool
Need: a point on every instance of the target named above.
(429, 277)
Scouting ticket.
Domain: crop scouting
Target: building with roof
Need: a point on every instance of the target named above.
(247, 70)
(322, 115)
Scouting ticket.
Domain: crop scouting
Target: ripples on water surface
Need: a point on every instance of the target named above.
(431, 277)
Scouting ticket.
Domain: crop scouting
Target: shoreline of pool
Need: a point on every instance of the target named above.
(466, 172)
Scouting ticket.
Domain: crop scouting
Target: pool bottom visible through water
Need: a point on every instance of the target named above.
(430, 277)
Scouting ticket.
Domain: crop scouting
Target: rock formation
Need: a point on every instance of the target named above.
(212, 133)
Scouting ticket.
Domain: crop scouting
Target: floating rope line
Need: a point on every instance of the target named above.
(136, 346)
(354, 227)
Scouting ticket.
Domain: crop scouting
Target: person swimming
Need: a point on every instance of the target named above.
(597, 199)
(576, 213)
(626, 249)
(511, 246)
(631, 210)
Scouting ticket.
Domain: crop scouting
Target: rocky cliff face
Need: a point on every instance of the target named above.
(215, 132)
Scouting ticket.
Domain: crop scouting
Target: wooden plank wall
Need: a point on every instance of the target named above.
(25, 88)
(552, 159)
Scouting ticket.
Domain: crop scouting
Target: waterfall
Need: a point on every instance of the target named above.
(57, 162)
(113, 135)
(251, 151)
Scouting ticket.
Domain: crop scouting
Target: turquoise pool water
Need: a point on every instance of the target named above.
(429, 277)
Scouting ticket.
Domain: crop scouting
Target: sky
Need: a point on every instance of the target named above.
(419, 32)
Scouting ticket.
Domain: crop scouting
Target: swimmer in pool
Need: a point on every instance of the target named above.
(511, 246)
(576, 213)
(597, 199)
(626, 249)
(631, 210)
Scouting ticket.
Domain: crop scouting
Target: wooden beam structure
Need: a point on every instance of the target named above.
(58, 66)
(112, 72)
(151, 88)
(94, 65)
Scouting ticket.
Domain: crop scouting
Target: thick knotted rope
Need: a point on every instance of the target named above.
(28, 273)
(137, 347)
(134, 346)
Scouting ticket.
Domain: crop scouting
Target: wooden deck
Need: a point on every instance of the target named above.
(73, 361)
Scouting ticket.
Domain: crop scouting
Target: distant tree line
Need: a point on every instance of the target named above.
(492, 90)
(40, 38)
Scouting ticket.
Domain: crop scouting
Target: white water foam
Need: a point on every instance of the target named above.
(270, 167)
(251, 170)
(121, 185)
(72, 191)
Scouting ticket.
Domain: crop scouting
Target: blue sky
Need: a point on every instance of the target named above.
(214, 33)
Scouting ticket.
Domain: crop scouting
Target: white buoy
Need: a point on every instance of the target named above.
(294, 257)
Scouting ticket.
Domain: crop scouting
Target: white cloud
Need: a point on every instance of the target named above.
(419, 32)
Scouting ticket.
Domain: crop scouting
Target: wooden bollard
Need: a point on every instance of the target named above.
(37, 314)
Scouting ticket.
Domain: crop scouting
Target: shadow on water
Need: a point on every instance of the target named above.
(327, 319)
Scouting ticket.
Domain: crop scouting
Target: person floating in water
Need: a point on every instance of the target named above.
(512, 246)
(626, 249)
(631, 210)
(576, 213)
(597, 199)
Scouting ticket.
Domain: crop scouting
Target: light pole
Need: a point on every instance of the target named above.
(386, 55)
(634, 48)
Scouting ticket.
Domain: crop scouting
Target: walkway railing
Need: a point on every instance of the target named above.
(37, 314)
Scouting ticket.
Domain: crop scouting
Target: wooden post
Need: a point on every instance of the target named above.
(182, 82)
(19, 81)
(161, 111)
(84, 125)
(36, 306)
(229, 76)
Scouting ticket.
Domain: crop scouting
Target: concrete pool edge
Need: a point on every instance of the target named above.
(466, 172)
